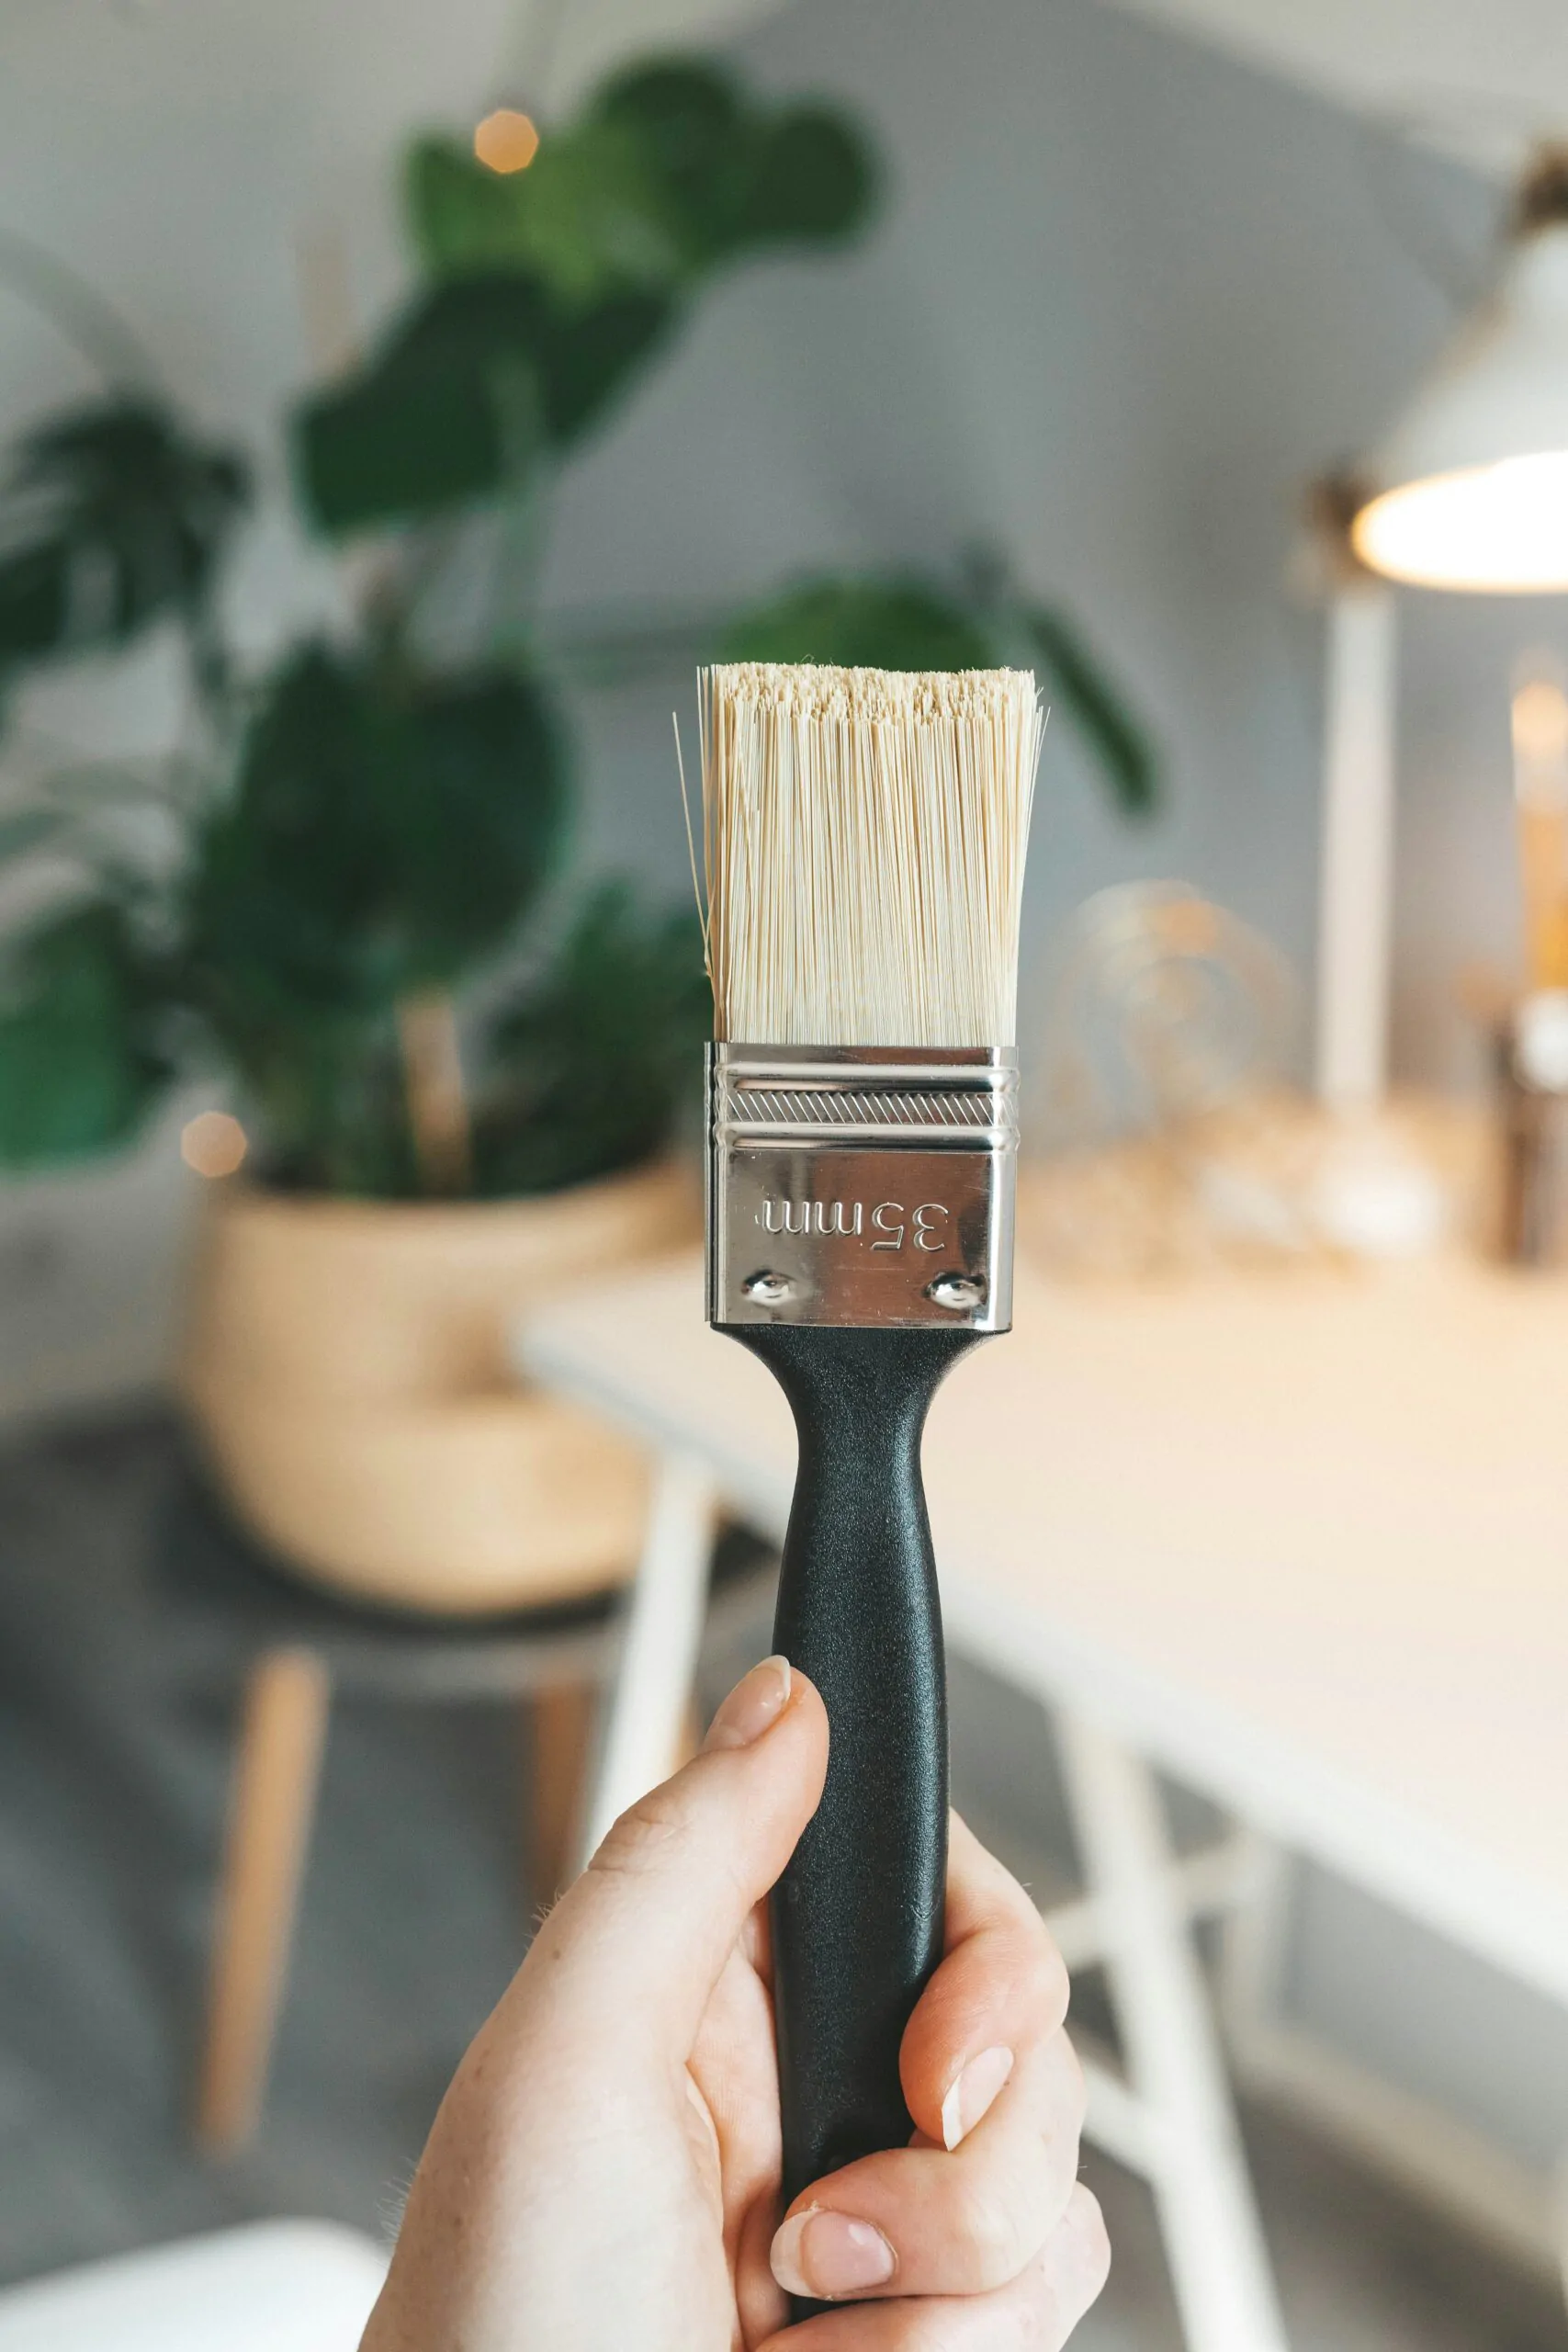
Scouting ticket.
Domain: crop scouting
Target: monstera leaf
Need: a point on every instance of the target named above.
(590, 216)
(451, 407)
(741, 177)
(861, 624)
(477, 381)
(1112, 730)
(696, 135)
(476, 840)
(892, 624)
(552, 288)
(810, 182)
(386, 834)
(591, 1068)
(669, 172)
(78, 1071)
(112, 518)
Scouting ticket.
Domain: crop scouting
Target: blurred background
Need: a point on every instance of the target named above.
(399, 404)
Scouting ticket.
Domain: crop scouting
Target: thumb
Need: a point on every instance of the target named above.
(636, 1946)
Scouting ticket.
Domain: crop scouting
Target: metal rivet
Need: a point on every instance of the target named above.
(959, 1293)
(767, 1290)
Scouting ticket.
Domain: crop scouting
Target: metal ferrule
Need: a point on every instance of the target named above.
(862, 1185)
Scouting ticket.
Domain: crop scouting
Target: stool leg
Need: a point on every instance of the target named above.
(272, 1801)
(649, 1703)
(560, 1725)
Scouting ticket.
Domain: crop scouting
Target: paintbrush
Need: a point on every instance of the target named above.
(863, 836)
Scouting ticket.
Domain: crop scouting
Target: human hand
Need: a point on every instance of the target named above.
(604, 2174)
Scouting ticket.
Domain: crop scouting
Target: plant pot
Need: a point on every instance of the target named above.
(345, 1366)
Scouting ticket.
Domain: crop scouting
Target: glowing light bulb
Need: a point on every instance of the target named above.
(506, 140)
(1501, 528)
(213, 1144)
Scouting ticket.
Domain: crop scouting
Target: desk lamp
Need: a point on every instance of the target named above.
(1468, 490)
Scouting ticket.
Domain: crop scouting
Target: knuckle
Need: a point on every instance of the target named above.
(1097, 2239)
(643, 1839)
(991, 2227)
(1025, 1952)
(929, 2330)
(1072, 2288)
(1050, 1987)
(1073, 2093)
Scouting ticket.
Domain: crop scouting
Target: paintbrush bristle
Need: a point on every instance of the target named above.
(864, 835)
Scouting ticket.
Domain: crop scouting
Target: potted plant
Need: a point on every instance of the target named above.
(455, 1076)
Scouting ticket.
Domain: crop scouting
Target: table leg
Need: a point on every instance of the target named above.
(1253, 1947)
(272, 1798)
(649, 1707)
(1193, 2152)
(1420, 2144)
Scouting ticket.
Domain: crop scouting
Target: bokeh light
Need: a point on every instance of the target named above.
(506, 140)
(1540, 723)
(213, 1143)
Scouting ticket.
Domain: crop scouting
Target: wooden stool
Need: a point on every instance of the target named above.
(228, 1611)
(292, 1649)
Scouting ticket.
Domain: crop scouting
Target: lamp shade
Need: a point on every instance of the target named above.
(1470, 489)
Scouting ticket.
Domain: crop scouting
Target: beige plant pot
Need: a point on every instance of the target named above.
(345, 1366)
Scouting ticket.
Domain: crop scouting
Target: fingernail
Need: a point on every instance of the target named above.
(828, 2255)
(758, 1699)
(972, 2093)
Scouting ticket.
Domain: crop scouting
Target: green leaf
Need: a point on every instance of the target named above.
(868, 624)
(34, 601)
(77, 1072)
(669, 171)
(592, 1068)
(1085, 694)
(460, 216)
(686, 113)
(588, 218)
(739, 175)
(894, 624)
(112, 516)
(812, 181)
(586, 362)
(386, 833)
(554, 285)
(28, 829)
(477, 380)
(451, 408)
(594, 217)
(699, 138)
(477, 837)
(394, 448)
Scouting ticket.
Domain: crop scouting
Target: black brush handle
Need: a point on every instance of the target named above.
(857, 1917)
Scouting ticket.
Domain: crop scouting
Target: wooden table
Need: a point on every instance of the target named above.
(1300, 1542)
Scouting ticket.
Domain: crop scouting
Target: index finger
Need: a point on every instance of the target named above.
(1000, 1990)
